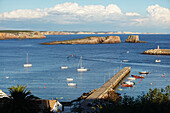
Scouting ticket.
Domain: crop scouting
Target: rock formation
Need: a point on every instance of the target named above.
(157, 52)
(89, 40)
(22, 35)
(134, 39)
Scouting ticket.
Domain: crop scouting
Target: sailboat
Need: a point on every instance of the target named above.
(27, 65)
(81, 69)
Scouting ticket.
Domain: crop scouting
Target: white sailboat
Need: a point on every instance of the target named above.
(81, 69)
(27, 65)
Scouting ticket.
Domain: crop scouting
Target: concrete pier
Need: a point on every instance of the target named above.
(109, 85)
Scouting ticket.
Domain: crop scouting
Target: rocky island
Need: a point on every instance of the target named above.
(134, 39)
(21, 35)
(89, 40)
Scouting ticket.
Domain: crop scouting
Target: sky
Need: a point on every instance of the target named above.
(151, 16)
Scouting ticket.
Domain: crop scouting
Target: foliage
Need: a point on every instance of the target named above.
(155, 101)
(13, 31)
(20, 101)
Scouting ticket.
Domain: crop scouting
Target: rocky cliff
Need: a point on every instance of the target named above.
(134, 39)
(157, 52)
(22, 35)
(89, 40)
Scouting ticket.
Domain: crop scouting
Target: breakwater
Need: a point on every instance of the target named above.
(103, 90)
(157, 52)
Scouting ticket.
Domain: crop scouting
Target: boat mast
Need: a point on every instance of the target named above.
(27, 58)
(81, 60)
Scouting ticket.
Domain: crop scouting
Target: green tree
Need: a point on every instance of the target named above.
(155, 101)
(20, 101)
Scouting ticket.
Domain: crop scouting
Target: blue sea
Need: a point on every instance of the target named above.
(46, 80)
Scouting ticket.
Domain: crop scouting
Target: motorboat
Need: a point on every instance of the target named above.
(71, 84)
(27, 64)
(81, 69)
(69, 79)
(124, 60)
(157, 60)
(131, 78)
(64, 67)
(135, 76)
(143, 72)
(163, 75)
(127, 85)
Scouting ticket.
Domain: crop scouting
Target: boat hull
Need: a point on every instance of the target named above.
(135, 76)
(127, 85)
(71, 84)
(81, 70)
(69, 79)
(64, 67)
(27, 65)
(143, 72)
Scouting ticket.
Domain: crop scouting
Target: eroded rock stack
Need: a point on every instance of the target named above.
(134, 39)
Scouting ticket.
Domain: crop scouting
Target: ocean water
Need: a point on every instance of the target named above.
(46, 80)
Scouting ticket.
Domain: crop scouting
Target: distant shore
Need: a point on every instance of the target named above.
(26, 34)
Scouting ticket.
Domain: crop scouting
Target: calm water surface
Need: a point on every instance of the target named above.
(103, 60)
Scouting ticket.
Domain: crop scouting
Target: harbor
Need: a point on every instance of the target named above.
(105, 88)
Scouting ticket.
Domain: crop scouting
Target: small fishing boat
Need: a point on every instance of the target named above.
(71, 84)
(163, 75)
(119, 89)
(131, 78)
(81, 69)
(124, 60)
(143, 72)
(157, 60)
(135, 76)
(64, 67)
(27, 65)
(127, 85)
(129, 82)
(69, 79)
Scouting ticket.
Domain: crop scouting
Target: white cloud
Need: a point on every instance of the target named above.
(23, 13)
(73, 13)
(159, 14)
(132, 14)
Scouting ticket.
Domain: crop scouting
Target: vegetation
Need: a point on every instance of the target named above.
(155, 101)
(20, 101)
(13, 31)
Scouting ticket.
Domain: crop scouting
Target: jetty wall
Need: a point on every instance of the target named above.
(103, 90)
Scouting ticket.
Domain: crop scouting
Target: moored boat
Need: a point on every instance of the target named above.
(157, 60)
(64, 67)
(81, 69)
(71, 84)
(27, 64)
(124, 60)
(143, 72)
(131, 78)
(127, 85)
(69, 79)
(135, 76)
